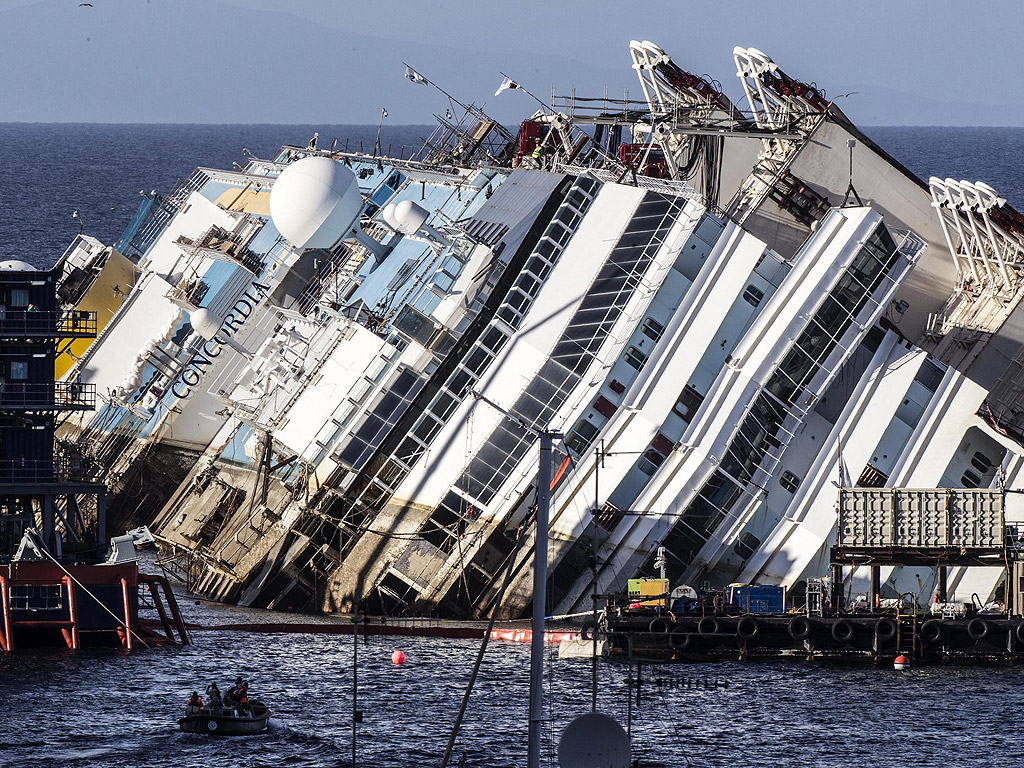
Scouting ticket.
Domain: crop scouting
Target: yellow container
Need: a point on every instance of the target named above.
(649, 592)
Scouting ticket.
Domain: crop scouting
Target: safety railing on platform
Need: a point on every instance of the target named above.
(47, 396)
(61, 469)
(31, 323)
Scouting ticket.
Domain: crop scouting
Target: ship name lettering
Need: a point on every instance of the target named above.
(233, 321)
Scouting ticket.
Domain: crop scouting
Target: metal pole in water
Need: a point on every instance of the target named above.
(355, 708)
(540, 579)
(599, 455)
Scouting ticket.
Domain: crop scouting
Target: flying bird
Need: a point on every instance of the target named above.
(85, 5)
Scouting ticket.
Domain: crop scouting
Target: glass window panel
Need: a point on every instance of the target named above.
(753, 295)
(635, 358)
(19, 298)
(653, 329)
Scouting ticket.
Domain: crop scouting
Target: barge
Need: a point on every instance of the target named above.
(931, 530)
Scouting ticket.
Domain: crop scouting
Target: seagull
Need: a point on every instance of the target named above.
(85, 5)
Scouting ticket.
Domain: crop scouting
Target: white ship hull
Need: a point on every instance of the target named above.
(722, 341)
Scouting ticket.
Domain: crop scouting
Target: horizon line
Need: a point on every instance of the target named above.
(414, 125)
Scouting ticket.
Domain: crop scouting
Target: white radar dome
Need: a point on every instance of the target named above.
(388, 214)
(410, 217)
(205, 323)
(315, 202)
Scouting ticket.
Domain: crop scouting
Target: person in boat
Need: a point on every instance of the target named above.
(231, 698)
(242, 697)
(213, 695)
(195, 703)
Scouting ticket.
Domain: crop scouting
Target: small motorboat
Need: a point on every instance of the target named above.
(226, 721)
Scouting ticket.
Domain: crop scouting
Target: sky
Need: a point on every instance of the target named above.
(903, 62)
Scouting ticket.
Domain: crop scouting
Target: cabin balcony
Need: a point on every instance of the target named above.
(59, 324)
(47, 396)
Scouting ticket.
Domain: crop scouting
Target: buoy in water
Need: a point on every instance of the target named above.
(902, 662)
(397, 657)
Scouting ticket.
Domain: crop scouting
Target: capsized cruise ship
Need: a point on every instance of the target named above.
(322, 374)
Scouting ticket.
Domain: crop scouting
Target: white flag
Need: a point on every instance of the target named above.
(414, 76)
(507, 84)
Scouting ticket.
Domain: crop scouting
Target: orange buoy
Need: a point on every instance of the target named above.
(397, 657)
(902, 662)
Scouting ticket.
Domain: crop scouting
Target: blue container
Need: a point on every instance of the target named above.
(757, 598)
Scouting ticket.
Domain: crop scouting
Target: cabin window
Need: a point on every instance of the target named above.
(650, 462)
(635, 358)
(789, 481)
(746, 545)
(581, 437)
(753, 295)
(970, 480)
(427, 302)
(19, 298)
(19, 370)
(688, 403)
(981, 462)
(653, 329)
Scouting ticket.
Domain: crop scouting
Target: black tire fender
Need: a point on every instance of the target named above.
(709, 626)
(932, 631)
(885, 628)
(842, 631)
(748, 628)
(1019, 632)
(800, 628)
(659, 626)
(978, 628)
(679, 638)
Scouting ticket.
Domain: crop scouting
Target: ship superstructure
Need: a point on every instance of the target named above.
(726, 315)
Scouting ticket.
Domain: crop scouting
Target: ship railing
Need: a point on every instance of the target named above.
(47, 396)
(908, 243)
(65, 324)
(60, 469)
(665, 186)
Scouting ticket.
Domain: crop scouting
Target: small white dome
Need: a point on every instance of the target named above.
(315, 202)
(205, 323)
(17, 265)
(410, 217)
(388, 214)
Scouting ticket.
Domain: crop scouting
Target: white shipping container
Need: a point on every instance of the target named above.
(920, 517)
